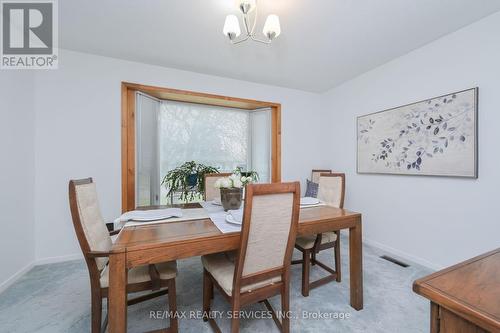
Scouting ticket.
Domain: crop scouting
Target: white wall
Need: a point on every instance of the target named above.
(78, 134)
(16, 174)
(436, 221)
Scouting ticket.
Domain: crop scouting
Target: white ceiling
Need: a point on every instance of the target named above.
(323, 42)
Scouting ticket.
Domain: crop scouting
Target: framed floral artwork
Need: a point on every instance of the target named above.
(435, 137)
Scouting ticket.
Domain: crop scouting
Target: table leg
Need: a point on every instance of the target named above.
(434, 318)
(356, 266)
(117, 297)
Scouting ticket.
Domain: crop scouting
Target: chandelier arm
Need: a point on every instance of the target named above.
(245, 24)
(260, 40)
(234, 42)
(254, 20)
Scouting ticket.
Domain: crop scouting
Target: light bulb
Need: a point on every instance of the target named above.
(231, 27)
(246, 6)
(272, 28)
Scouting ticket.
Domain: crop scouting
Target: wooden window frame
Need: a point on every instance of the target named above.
(128, 91)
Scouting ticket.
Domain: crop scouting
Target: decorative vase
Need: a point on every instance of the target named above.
(231, 198)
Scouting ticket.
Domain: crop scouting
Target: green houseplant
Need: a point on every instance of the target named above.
(188, 179)
(252, 174)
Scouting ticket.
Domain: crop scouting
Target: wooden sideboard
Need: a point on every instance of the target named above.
(465, 298)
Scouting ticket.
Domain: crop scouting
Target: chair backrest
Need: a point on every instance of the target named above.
(331, 189)
(89, 225)
(270, 222)
(211, 192)
(315, 174)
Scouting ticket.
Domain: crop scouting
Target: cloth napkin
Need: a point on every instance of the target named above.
(237, 214)
(149, 215)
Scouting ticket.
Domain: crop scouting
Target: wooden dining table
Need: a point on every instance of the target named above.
(154, 243)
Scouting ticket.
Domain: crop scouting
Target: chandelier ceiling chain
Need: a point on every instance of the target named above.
(232, 29)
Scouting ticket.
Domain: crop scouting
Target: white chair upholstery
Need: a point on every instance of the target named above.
(307, 242)
(221, 266)
(269, 230)
(167, 270)
(268, 235)
(93, 225)
(315, 174)
(211, 192)
(330, 190)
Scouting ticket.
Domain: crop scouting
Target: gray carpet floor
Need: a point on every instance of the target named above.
(56, 298)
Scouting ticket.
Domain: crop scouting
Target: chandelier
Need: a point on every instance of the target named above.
(232, 29)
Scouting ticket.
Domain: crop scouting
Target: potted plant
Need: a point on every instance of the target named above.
(188, 179)
(231, 190)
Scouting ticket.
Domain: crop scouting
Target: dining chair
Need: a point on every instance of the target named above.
(331, 191)
(95, 243)
(260, 268)
(211, 192)
(315, 174)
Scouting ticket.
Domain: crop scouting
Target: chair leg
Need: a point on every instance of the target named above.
(96, 312)
(172, 305)
(208, 292)
(313, 258)
(306, 256)
(104, 325)
(337, 257)
(235, 319)
(211, 290)
(285, 307)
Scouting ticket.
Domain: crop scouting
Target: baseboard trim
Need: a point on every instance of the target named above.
(50, 260)
(54, 260)
(402, 254)
(16, 276)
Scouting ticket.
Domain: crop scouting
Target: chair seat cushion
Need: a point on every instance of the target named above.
(167, 270)
(221, 267)
(307, 242)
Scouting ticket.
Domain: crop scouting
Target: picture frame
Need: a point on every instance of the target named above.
(432, 137)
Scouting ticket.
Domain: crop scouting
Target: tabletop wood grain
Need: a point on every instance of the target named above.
(311, 220)
(470, 289)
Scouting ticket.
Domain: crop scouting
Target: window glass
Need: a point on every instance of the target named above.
(170, 133)
(211, 135)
